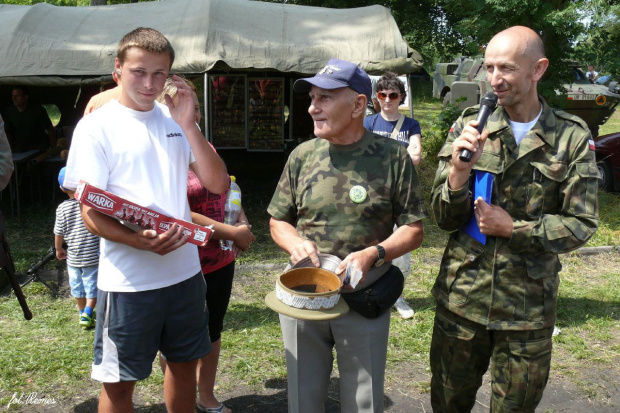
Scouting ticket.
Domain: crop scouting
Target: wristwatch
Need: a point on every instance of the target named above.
(380, 259)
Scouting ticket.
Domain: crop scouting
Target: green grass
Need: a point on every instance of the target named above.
(52, 355)
(608, 232)
(588, 314)
(28, 363)
(612, 125)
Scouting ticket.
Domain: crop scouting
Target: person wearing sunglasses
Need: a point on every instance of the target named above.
(391, 123)
(391, 93)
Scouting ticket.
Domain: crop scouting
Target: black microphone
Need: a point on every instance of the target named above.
(487, 106)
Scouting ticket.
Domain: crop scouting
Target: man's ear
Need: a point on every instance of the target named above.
(540, 67)
(117, 67)
(359, 106)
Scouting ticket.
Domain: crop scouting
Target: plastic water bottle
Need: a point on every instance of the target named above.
(232, 209)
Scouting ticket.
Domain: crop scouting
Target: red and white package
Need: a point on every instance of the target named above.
(136, 216)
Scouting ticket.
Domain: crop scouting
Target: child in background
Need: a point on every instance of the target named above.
(82, 254)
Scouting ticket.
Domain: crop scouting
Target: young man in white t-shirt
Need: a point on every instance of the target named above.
(151, 288)
(591, 74)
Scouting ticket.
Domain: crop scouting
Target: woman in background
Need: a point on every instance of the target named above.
(218, 268)
(392, 124)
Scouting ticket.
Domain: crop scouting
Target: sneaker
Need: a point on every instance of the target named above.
(87, 321)
(556, 331)
(403, 308)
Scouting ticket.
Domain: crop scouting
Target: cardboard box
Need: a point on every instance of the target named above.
(136, 216)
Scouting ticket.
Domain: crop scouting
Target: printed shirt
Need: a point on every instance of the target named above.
(380, 126)
(211, 205)
(314, 193)
(82, 246)
(548, 185)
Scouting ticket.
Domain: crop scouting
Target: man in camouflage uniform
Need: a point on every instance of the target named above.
(341, 194)
(496, 302)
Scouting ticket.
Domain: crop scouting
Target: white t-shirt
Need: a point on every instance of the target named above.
(144, 158)
(519, 129)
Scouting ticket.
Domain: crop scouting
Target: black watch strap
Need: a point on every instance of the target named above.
(381, 258)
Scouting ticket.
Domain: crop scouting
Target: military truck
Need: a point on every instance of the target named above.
(466, 78)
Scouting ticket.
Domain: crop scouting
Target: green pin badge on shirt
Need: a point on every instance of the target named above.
(357, 194)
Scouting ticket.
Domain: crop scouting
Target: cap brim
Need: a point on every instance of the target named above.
(304, 85)
(341, 308)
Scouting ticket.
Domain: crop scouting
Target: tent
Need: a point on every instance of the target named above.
(50, 45)
(245, 55)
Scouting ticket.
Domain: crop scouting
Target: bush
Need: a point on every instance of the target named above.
(421, 91)
(435, 137)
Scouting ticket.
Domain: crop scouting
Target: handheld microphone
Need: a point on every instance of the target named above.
(487, 106)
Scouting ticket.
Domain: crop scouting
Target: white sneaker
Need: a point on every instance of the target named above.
(403, 308)
(556, 331)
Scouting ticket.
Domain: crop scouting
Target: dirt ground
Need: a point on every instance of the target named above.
(402, 395)
(595, 388)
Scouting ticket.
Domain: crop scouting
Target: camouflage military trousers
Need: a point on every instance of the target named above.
(461, 351)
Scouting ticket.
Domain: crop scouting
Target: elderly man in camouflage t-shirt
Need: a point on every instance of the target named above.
(496, 301)
(342, 194)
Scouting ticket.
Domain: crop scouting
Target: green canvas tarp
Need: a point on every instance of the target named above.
(59, 46)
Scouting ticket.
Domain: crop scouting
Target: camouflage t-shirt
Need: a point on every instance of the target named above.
(346, 198)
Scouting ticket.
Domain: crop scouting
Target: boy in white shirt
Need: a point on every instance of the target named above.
(151, 288)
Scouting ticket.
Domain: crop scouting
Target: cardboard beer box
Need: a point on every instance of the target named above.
(136, 216)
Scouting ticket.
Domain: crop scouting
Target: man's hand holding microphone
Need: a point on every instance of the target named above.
(467, 148)
(466, 151)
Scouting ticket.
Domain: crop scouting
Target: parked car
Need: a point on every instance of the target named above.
(466, 78)
(607, 149)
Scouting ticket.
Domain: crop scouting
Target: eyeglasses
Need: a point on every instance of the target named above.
(392, 96)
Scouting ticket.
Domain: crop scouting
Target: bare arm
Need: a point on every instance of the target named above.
(415, 148)
(241, 221)
(61, 254)
(241, 235)
(286, 237)
(406, 238)
(147, 240)
(209, 167)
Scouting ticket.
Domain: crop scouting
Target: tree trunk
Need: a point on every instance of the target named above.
(98, 2)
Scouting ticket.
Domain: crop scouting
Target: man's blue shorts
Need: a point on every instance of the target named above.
(133, 326)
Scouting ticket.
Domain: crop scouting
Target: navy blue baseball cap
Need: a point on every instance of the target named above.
(336, 74)
(61, 177)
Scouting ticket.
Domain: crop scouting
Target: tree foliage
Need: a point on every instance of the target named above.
(599, 44)
(557, 21)
(440, 30)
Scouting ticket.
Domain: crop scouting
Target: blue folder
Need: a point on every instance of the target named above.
(483, 187)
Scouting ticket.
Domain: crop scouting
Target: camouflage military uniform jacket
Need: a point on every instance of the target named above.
(548, 185)
(321, 182)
